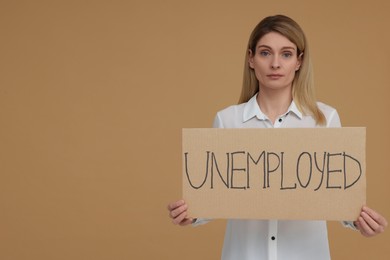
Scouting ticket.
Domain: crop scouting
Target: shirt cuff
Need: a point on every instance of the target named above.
(349, 224)
(200, 221)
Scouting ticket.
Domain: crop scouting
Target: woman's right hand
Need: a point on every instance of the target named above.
(178, 212)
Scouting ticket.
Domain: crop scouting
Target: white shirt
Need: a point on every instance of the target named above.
(273, 239)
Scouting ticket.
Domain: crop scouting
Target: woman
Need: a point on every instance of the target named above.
(278, 92)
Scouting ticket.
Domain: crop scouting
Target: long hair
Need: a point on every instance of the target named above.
(302, 86)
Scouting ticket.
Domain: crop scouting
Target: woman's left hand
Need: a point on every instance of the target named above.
(370, 222)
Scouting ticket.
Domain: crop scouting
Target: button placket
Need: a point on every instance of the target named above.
(272, 243)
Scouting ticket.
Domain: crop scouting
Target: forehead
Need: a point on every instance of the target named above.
(275, 40)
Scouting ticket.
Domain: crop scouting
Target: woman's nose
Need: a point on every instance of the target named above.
(275, 63)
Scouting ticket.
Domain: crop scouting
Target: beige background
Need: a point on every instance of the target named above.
(93, 96)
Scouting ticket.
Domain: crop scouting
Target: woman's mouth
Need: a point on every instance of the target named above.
(274, 76)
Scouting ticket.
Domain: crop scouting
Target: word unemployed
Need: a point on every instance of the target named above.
(323, 168)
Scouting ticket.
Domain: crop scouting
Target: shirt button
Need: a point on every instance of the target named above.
(273, 238)
(280, 120)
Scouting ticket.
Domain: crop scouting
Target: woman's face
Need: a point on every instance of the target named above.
(275, 61)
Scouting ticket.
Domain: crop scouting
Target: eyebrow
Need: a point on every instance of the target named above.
(283, 48)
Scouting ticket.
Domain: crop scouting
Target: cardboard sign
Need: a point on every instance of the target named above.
(284, 173)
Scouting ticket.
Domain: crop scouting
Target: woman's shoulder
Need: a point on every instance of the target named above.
(232, 110)
(326, 109)
(229, 117)
(331, 114)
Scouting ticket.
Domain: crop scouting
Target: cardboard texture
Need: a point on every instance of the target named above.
(285, 173)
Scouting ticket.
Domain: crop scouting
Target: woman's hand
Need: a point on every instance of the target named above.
(370, 222)
(178, 213)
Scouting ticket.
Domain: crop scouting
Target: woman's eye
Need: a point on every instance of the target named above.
(287, 54)
(265, 53)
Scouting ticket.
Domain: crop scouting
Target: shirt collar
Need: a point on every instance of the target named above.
(252, 109)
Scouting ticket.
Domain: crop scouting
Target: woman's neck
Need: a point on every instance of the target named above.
(274, 103)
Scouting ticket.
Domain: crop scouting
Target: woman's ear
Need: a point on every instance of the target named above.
(250, 58)
(299, 62)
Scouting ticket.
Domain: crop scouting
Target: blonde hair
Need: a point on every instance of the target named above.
(302, 86)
